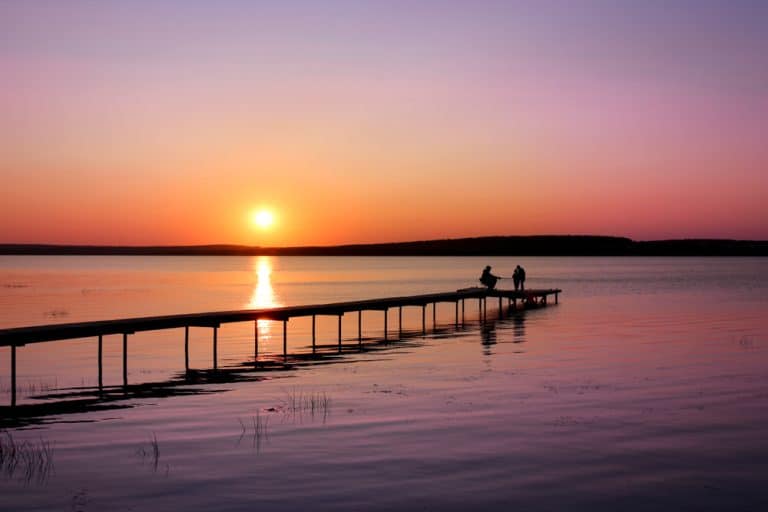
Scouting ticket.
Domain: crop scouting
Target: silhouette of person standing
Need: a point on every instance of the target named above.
(520, 271)
(488, 279)
(516, 277)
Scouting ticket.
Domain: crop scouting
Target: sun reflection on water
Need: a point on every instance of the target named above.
(263, 295)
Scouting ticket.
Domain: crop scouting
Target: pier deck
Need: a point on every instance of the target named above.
(40, 333)
(20, 336)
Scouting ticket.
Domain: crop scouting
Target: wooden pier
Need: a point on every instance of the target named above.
(20, 336)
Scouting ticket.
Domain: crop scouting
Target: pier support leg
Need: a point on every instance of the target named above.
(101, 366)
(456, 310)
(339, 333)
(255, 341)
(501, 308)
(285, 339)
(480, 308)
(555, 298)
(400, 321)
(485, 309)
(186, 348)
(125, 360)
(360, 327)
(434, 315)
(386, 314)
(424, 319)
(13, 375)
(215, 348)
(462, 311)
(314, 334)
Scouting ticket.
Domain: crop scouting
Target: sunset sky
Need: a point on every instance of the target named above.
(173, 122)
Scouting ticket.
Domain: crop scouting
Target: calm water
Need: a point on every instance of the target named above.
(646, 388)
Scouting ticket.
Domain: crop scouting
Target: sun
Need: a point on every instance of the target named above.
(263, 219)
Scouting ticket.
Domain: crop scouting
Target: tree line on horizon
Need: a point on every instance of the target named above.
(537, 245)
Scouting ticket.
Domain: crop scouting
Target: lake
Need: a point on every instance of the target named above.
(645, 388)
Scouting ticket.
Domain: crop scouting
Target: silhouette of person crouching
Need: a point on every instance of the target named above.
(488, 279)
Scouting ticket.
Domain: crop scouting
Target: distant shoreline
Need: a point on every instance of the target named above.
(541, 245)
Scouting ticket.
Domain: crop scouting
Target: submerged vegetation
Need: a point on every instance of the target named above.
(151, 453)
(260, 430)
(29, 461)
(29, 387)
(292, 408)
(312, 402)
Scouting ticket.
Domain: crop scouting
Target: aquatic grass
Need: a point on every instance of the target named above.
(155, 448)
(56, 313)
(260, 425)
(31, 461)
(30, 387)
(260, 430)
(151, 452)
(312, 402)
(14, 285)
(296, 403)
(747, 342)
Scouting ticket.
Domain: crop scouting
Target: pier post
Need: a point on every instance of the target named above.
(13, 375)
(360, 327)
(125, 359)
(434, 315)
(285, 339)
(339, 333)
(501, 308)
(215, 348)
(386, 311)
(255, 340)
(101, 368)
(314, 335)
(462, 311)
(456, 311)
(556, 297)
(480, 308)
(485, 309)
(400, 321)
(186, 348)
(424, 318)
